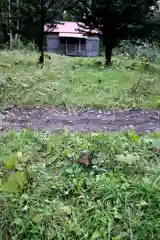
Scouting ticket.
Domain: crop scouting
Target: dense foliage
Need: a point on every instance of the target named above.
(119, 20)
(46, 195)
(28, 17)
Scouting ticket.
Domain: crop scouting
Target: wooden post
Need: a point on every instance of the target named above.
(66, 46)
(79, 46)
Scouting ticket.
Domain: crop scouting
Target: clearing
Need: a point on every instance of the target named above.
(71, 82)
(44, 193)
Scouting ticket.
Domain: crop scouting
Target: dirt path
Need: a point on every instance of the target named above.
(51, 120)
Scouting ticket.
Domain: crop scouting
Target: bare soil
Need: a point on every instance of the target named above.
(88, 120)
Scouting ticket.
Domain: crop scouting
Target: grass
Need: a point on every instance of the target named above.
(46, 195)
(70, 82)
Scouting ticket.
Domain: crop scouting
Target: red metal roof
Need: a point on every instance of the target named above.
(65, 27)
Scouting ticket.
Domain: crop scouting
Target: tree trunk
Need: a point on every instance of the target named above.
(108, 37)
(108, 50)
(108, 55)
(41, 47)
(17, 24)
(10, 23)
(41, 44)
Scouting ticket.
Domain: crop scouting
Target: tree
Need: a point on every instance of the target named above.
(4, 10)
(7, 21)
(117, 20)
(30, 16)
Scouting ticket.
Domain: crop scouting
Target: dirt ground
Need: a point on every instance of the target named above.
(52, 120)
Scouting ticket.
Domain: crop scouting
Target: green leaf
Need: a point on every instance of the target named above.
(14, 183)
(10, 161)
(24, 196)
(129, 158)
(37, 218)
(60, 208)
(137, 219)
(134, 136)
(96, 235)
(157, 101)
(117, 215)
(69, 170)
(147, 140)
(79, 184)
(117, 238)
(19, 155)
(18, 221)
(94, 161)
(156, 143)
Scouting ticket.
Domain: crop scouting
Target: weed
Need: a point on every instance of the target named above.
(116, 198)
(70, 82)
(49, 188)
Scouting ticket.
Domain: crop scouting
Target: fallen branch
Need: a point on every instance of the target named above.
(133, 90)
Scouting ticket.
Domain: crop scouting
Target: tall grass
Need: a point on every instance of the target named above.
(18, 44)
(70, 82)
(44, 193)
(150, 51)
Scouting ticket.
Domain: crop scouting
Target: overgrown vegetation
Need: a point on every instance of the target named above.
(68, 82)
(150, 51)
(45, 194)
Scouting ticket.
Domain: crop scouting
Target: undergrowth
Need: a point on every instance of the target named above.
(46, 195)
(70, 82)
